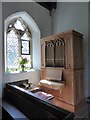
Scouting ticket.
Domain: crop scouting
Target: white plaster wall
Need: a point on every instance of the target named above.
(32, 76)
(43, 20)
(37, 12)
(69, 15)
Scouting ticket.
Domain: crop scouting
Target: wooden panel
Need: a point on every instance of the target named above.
(63, 105)
(54, 92)
(53, 74)
(57, 93)
(42, 54)
(74, 53)
(78, 53)
(69, 51)
(78, 86)
(68, 93)
(68, 90)
(43, 73)
(74, 89)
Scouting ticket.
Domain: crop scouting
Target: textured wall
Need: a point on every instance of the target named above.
(73, 15)
(42, 18)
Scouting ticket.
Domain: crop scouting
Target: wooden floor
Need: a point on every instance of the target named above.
(84, 113)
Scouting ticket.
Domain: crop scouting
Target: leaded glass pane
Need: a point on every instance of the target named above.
(25, 44)
(18, 25)
(12, 50)
(25, 37)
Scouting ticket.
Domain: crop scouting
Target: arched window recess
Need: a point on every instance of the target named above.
(18, 44)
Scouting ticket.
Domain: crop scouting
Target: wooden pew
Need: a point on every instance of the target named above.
(10, 112)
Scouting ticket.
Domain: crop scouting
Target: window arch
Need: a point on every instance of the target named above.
(18, 44)
(23, 33)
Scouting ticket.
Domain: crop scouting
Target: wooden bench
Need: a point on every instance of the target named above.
(32, 106)
(10, 112)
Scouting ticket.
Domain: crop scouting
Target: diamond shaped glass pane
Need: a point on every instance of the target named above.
(12, 50)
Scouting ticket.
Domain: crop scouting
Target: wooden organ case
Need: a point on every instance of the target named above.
(64, 52)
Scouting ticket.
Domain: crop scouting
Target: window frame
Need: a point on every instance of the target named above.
(20, 53)
(35, 34)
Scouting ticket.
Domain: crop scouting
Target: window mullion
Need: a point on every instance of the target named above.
(19, 46)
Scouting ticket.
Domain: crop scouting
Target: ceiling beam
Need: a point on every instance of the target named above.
(48, 5)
